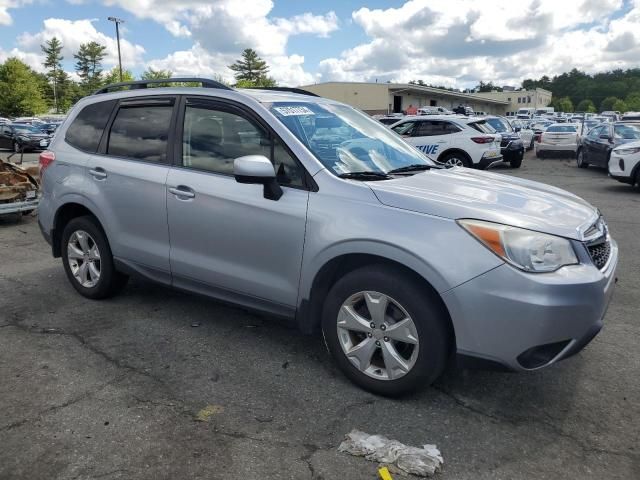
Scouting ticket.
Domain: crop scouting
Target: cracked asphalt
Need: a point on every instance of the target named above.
(111, 389)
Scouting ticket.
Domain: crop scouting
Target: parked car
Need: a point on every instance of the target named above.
(511, 145)
(453, 140)
(631, 117)
(614, 116)
(538, 127)
(399, 262)
(23, 137)
(624, 163)
(597, 145)
(559, 137)
(524, 131)
(388, 119)
(434, 111)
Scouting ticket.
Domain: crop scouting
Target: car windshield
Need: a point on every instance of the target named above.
(627, 132)
(499, 125)
(345, 140)
(562, 129)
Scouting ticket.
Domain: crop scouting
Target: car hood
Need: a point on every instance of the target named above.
(466, 193)
(628, 144)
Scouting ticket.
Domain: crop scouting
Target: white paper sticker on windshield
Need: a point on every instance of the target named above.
(289, 111)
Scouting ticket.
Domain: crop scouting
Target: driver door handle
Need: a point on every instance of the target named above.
(182, 192)
(98, 173)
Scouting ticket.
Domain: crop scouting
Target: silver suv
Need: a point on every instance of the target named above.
(306, 208)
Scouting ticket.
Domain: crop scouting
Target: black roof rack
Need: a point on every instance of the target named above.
(140, 84)
(286, 89)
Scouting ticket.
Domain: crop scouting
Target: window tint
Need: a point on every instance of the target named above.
(86, 129)
(562, 129)
(595, 133)
(214, 138)
(433, 127)
(627, 132)
(404, 128)
(141, 132)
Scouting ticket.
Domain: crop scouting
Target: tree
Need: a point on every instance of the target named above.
(250, 68)
(113, 76)
(619, 106)
(586, 105)
(563, 104)
(633, 101)
(607, 104)
(262, 82)
(151, 74)
(52, 50)
(89, 65)
(20, 92)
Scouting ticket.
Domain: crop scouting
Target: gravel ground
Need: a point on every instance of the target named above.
(113, 389)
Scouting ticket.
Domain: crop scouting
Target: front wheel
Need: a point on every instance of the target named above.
(516, 162)
(385, 331)
(88, 261)
(580, 159)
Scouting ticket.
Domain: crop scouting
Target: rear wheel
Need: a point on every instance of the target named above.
(385, 332)
(88, 261)
(516, 162)
(531, 144)
(456, 159)
(580, 159)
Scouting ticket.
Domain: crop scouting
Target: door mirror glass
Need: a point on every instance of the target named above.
(257, 169)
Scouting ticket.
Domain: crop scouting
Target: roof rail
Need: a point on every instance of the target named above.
(140, 84)
(286, 89)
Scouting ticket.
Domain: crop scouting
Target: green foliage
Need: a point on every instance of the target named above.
(620, 106)
(151, 74)
(633, 102)
(20, 90)
(113, 76)
(563, 104)
(603, 89)
(89, 65)
(607, 104)
(52, 50)
(586, 105)
(252, 70)
(487, 87)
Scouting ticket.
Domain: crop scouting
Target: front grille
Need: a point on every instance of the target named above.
(600, 253)
(505, 142)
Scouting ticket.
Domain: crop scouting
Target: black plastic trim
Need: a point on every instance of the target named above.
(142, 84)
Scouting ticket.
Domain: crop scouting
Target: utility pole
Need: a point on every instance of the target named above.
(118, 21)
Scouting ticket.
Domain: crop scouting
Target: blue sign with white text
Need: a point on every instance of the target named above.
(429, 149)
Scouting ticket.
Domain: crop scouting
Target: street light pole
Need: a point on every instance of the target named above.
(118, 21)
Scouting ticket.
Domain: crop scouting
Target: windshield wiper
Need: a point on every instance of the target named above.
(365, 175)
(417, 167)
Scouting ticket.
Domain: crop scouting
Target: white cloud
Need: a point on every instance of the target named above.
(6, 5)
(460, 42)
(33, 60)
(72, 33)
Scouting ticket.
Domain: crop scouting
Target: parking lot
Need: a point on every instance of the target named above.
(155, 383)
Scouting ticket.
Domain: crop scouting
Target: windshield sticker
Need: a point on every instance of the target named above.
(290, 111)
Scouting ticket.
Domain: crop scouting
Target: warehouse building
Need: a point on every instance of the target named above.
(517, 99)
(382, 98)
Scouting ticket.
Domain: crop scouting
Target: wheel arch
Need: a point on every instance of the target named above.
(308, 315)
(455, 150)
(64, 214)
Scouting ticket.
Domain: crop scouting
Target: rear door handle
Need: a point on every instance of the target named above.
(182, 192)
(98, 173)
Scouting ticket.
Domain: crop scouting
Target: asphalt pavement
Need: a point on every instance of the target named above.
(159, 384)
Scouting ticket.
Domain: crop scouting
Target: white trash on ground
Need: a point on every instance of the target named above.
(423, 461)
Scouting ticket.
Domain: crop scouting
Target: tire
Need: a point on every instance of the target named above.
(580, 159)
(455, 159)
(108, 281)
(516, 162)
(423, 362)
(539, 154)
(531, 145)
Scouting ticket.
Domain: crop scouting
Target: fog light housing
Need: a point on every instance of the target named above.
(621, 164)
(541, 355)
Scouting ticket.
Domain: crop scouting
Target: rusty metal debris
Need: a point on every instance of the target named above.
(19, 189)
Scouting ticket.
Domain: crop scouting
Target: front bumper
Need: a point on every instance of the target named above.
(514, 151)
(524, 321)
(30, 144)
(16, 207)
(487, 162)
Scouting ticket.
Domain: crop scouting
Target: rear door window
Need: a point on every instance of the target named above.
(87, 128)
(141, 132)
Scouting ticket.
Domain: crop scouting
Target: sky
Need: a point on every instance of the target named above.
(455, 43)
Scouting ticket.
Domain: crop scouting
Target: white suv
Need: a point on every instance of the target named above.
(452, 139)
(624, 163)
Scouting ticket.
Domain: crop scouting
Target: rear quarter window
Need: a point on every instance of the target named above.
(87, 128)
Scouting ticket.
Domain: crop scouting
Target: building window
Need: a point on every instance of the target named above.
(518, 99)
(528, 99)
(508, 99)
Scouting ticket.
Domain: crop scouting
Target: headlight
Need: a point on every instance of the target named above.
(626, 151)
(525, 249)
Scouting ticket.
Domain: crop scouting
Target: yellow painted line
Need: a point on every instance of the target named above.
(384, 473)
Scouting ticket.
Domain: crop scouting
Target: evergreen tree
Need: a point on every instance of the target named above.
(607, 104)
(20, 90)
(620, 106)
(251, 69)
(89, 65)
(52, 50)
(113, 76)
(151, 74)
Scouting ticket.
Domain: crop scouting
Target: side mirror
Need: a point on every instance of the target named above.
(604, 137)
(257, 169)
(517, 129)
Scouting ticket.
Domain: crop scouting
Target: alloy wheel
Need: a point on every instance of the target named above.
(377, 335)
(454, 162)
(83, 256)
